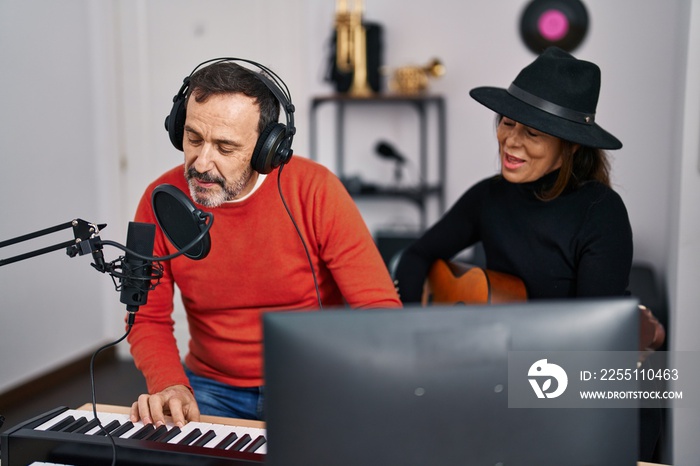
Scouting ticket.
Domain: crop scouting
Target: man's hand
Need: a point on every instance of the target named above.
(177, 401)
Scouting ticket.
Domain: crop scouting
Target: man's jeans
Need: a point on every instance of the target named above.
(219, 399)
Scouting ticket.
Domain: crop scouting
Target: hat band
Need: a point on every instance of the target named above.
(549, 107)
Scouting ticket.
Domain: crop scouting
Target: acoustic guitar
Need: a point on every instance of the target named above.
(459, 283)
(451, 282)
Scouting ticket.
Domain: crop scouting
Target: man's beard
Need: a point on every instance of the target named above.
(217, 195)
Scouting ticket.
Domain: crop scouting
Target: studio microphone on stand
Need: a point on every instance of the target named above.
(387, 151)
(137, 272)
(185, 227)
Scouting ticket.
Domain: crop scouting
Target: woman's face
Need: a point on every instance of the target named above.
(526, 153)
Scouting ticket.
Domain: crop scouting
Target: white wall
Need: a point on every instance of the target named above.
(684, 269)
(53, 129)
(479, 43)
(87, 84)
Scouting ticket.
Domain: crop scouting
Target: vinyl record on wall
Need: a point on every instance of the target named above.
(562, 23)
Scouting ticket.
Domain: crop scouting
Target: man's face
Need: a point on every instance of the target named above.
(220, 135)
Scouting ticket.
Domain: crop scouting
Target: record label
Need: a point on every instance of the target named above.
(562, 23)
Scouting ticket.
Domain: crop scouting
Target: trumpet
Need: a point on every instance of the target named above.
(351, 45)
(414, 79)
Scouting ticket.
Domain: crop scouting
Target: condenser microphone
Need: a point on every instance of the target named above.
(135, 274)
(386, 150)
(182, 223)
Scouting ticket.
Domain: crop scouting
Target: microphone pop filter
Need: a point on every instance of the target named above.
(181, 221)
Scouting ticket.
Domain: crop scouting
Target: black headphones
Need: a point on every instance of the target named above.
(274, 145)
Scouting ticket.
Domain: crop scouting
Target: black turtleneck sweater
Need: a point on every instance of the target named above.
(577, 245)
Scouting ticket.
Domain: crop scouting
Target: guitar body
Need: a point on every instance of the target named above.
(456, 283)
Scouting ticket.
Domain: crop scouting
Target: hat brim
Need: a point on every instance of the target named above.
(501, 102)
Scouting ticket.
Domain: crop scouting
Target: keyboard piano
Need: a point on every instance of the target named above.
(69, 436)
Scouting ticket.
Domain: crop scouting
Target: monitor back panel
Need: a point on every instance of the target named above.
(417, 387)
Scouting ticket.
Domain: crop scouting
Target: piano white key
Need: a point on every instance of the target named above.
(133, 430)
(262, 449)
(122, 418)
(222, 432)
(204, 427)
(56, 419)
(187, 428)
(105, 418)
(254, 433)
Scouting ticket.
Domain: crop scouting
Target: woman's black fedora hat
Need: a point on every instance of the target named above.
(556, 94)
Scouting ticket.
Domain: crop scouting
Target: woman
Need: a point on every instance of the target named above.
(550, 217)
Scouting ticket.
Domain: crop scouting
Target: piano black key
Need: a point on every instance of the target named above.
(91, 424)
(172, 433)
(204, 439)
(259, 441)
(143, 432)
(61, 424)
(109, 428)
(123, 429)
(226, 441)
(243, 441)
(189, 438)
(75, 424)
(157, 433)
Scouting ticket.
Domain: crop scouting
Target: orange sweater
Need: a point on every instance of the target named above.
(256, 264)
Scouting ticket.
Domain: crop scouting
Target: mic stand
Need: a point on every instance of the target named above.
(398, 171)
(82, 231)
(86, 241)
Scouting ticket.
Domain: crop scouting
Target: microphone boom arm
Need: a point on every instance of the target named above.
(82, 231)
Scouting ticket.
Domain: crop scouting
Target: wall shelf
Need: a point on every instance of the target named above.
(418, 194)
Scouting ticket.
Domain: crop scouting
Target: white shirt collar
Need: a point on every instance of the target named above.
(258, 183)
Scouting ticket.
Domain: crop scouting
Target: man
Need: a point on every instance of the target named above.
(225, 119)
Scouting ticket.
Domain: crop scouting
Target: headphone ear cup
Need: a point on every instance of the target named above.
(175, 122)
(272, 149)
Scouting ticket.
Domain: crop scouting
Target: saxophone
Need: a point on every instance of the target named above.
(414, 79)
(351, 46)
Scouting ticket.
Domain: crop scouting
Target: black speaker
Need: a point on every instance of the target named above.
(392, 243)
(274, 145)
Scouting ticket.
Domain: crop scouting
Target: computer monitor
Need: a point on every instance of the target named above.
(429, 386)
